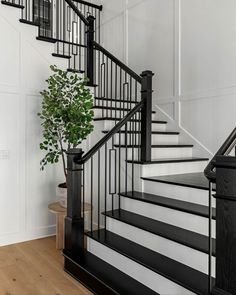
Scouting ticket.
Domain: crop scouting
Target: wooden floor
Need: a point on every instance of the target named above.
(35, 268)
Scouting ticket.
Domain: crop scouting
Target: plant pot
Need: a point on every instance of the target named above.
(62, 194)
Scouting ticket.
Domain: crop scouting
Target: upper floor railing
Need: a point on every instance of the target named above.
(64, 23)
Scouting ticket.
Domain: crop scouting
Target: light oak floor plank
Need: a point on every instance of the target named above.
(36, 268)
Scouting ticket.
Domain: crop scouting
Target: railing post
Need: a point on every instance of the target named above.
(225, 226)
(146, 116)
(90, 50)
(74, 221)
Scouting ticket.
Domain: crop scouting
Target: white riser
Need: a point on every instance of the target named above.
(188, 194)
(162, 153)
(177, 218)
(172, 168)
(156, 139)
(98, 113)
(109, 124)
(145, 276)
(173, 250)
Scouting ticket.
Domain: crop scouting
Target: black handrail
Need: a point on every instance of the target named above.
(112, 132)
(76, 10)
(89, 4)
(224, 150)
(118, 62)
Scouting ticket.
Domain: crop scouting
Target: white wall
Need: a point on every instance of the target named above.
(191, 47)
(25, 191)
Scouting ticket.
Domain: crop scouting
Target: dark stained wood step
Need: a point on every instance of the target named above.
(102, 278)
(169, 160)
(164, 146)
(153, 132)
(177, 272)
(170, 203)
(61, 55)
(107, 109)
(193, 180)
(179, 235)
(13, 4)
(118, 119)
(28, 22)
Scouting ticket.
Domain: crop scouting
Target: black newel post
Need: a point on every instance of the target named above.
(146, 116)
(225, 226)
(90, 51)
(74, 222)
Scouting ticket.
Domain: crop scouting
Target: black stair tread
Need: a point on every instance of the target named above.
(194, 180)
(46, 39)
(13, 4)
(114, 100)
(179, 235)
(109, 108)
(75, 71)
(175, 204)
(61, 55)
(28, 22)
(117, 281)
(169, 160)
(92, 84)
(117, 119)
(153, 132)
(157, 146)
(177, 272)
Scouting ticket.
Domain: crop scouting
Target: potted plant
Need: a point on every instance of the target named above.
(67, 119)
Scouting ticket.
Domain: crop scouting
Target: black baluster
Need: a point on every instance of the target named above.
(111, 101)
(99, 164)
(116, 92)
(126, 159)
(146, 118)
(105, 184)
(91, 225)
(133, 148)
(90, 51)
(119, 179)
(107, 85)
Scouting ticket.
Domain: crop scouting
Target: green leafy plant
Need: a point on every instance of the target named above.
(66, 115)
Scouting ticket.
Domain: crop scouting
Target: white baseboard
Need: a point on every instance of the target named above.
(21, 237)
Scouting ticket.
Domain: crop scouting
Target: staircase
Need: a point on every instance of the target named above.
(149, 227)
